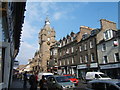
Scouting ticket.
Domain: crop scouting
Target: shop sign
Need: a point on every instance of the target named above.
(16, 63)
(93, 65)
(73, 66)
(110, 66)
(81, 66)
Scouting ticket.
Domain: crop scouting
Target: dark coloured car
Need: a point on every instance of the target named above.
(59, 83)
(113, 84)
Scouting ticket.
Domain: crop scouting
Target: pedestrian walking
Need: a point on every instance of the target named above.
(25, 80)
(33, 82)
(43, 83)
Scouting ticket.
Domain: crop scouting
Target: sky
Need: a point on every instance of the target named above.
(65, 17)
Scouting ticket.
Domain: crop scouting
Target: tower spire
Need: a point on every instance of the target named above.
(47, 21)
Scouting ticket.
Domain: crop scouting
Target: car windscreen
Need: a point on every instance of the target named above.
(103, 75)
(118, 84)
(69, 77)
(62, 79)
(46, 76)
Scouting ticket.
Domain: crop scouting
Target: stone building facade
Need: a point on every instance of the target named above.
(10, 33)
(81, 52)
(46, 40)
(108, 49)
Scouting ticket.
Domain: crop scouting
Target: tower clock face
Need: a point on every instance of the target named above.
(48, 43)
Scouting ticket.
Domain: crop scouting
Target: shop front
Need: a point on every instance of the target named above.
(112, 70)
(94, 67)
(81, 71)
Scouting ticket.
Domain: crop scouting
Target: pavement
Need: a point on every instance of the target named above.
(18, 85)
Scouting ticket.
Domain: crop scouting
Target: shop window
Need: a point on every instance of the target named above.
(116, 56)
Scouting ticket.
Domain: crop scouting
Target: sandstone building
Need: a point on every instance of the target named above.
(46, 40)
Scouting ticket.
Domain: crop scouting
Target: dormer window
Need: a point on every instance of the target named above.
(108, 34)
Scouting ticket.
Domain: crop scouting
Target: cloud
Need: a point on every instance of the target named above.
(57, 15)
(26, 52)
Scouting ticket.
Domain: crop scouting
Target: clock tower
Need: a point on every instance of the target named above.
(46, 40)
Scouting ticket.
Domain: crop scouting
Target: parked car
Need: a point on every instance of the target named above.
(103, 85)
(72, 79)
(96, 75)
(59, 83)
(45, 75)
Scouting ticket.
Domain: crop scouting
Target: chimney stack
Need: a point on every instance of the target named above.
(106, 24)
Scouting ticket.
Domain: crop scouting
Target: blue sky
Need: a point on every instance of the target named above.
(64, 17)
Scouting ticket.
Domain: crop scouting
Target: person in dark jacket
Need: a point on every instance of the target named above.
(33, 82)
(25, 80)
(43, 83)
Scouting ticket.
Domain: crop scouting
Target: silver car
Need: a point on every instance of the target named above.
(113, 84)
(59, 83)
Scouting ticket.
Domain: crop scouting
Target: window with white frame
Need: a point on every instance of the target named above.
(72, 49)
(64, 61)
(63, 43)
(108, 34)
(81, 59)
(67, 50)
(86, 58)
(91, 44)
(60, 63)
(92, 57)
(105, 60)
(60, 45)
(116, 56)
(67, 40)
(80, 48)
(72, 61)
(103, 47)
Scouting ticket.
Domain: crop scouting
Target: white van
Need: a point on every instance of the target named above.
(45, 74)
(96, 75)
